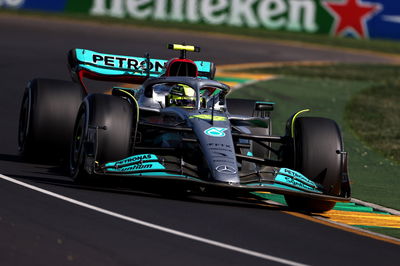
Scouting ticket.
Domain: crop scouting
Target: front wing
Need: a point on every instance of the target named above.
(283, 180)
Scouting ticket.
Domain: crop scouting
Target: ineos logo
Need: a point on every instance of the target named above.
(215, 131)
(226, 169)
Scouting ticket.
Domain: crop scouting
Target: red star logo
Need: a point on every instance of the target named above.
(351, 15)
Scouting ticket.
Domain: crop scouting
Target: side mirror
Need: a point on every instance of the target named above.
(264, 106)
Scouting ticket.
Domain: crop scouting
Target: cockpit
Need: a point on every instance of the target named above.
(190, 95)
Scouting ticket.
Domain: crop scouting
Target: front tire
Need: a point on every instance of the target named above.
(318, 146)
(113, 119)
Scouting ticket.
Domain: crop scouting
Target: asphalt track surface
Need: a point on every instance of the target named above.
(41, 229)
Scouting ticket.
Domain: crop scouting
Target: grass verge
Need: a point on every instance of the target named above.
(385, 231)
(336, 92)
(385, 46)
(374, 115)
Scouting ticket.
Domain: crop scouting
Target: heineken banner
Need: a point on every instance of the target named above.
(355, 18)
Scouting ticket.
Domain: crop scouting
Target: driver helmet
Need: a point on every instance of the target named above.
(181, 95)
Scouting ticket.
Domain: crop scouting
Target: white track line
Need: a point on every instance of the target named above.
(154, 226)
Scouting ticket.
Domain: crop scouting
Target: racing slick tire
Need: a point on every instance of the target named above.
(112, 118)
(318, 145)
(47, 118)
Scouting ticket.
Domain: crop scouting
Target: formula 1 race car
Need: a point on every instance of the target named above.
(179, 126)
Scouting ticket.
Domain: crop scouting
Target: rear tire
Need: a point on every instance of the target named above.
(114, 118)
(47, 118)
(318, 146)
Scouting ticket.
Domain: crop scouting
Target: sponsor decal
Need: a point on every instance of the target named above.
(136, 163)
(356, 18)
(226, 169)
(294, 15)
(217, 147)
(117, 61)
(351, 16)
(291, 181)
(215, 131)
(137, 167)
(393, 19)
(142, 157)
(223, 161)
(132, 159)
(120, 65)
(125, 62)
(208, 117)
(298, 176)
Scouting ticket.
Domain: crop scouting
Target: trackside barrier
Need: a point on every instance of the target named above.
(355, 18)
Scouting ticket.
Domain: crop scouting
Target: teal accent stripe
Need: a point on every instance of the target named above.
(352, 207)
(265, 102)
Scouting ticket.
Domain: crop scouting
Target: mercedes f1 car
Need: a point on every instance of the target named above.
(178, 125)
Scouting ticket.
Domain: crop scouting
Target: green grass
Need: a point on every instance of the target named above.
(386, 46)
(385, 231)
(374, 115)
(332, 92)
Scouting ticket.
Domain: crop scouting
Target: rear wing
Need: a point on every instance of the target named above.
(99, 66)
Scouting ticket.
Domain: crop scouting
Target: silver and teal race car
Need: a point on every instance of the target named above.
(178, 126)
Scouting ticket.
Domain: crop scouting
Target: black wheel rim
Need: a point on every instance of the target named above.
(23, 123)
(78, 141)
